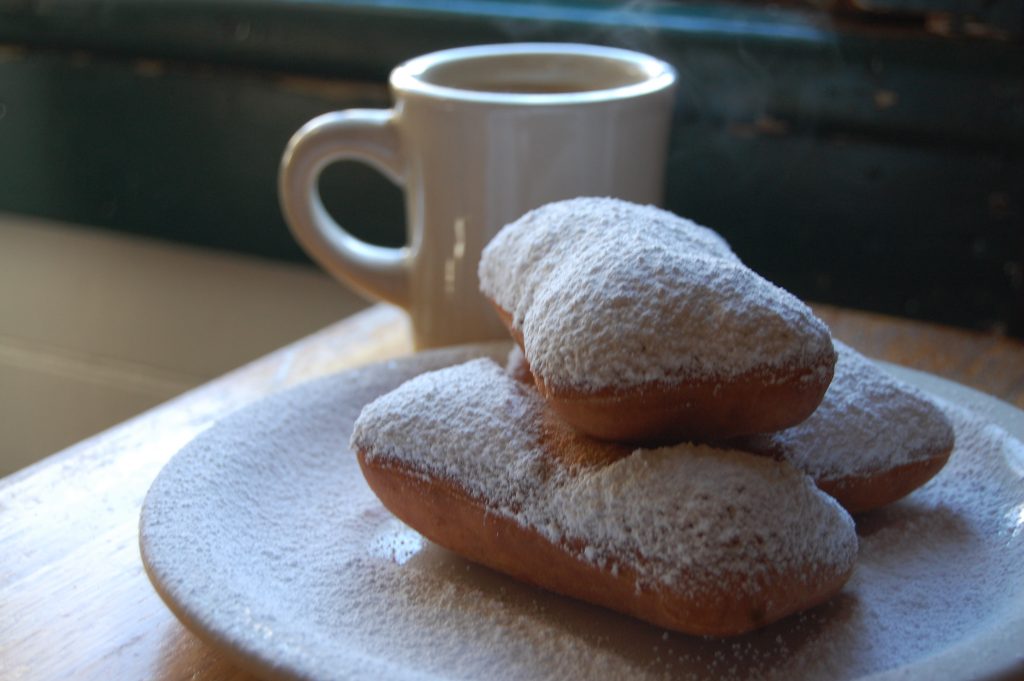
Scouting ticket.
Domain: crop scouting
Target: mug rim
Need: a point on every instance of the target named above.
(407, 78)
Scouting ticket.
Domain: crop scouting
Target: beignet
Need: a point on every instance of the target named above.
(873, 440)
(696, 539)
(642, 326)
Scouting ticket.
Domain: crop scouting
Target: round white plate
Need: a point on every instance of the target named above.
(264, 540)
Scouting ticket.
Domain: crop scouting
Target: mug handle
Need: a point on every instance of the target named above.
(366, 135)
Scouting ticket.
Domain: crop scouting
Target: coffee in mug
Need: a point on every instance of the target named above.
(478, 136)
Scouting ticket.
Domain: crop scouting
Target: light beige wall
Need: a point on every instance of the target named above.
(96, 326)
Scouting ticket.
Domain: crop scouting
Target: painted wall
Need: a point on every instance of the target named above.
(874, 164)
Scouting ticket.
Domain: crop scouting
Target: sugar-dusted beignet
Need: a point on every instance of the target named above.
(873, 440)
(695, 539)
(642, 326)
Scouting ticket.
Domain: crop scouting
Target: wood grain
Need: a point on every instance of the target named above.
(74, 599)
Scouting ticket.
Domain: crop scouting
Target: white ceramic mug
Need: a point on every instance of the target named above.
(477, 137)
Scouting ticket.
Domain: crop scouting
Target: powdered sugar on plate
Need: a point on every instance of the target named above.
(264, 538)
(681, 510)
(612, 294)
(867, 422)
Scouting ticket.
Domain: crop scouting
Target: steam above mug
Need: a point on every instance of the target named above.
(477, 137)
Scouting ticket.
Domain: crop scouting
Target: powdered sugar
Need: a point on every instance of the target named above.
(486, 419)
(867, 422)
(693, 510)
(686, 509)
(608, 293)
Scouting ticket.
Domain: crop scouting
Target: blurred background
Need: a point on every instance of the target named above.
(865, 153)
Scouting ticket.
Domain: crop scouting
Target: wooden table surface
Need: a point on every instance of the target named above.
(75, 602)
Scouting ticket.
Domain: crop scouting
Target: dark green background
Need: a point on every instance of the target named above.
(863, 161)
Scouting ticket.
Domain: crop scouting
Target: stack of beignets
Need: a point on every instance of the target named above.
(637, 329)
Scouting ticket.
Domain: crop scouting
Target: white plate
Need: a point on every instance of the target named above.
(264, 540)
